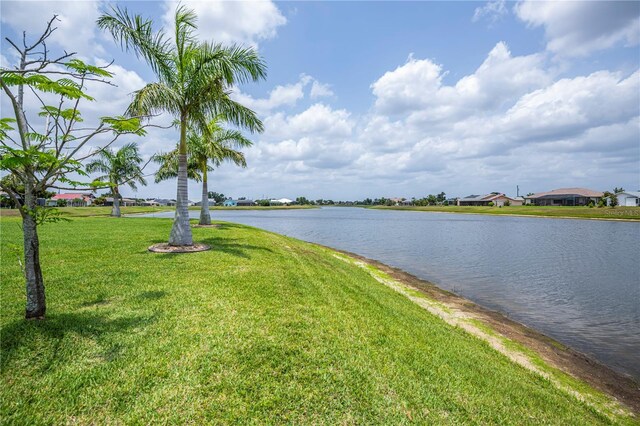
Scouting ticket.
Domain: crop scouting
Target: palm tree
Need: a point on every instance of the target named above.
(194, 82)
(118, 168)
(215, 145)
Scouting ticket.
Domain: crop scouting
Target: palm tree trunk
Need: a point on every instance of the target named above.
(115, 211)
(36, 302)
(181, 230)
(205, 216)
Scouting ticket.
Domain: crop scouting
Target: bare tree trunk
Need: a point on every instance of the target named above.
(205, 216)
(115, 211)
(36, 303)
(181, 230)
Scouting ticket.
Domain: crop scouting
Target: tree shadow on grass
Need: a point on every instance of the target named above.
(232, 247)
(222, 245)
(152, 295)
(100, 299)
(50, 333)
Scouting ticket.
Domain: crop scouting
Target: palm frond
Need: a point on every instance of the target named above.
(234, 112)
(224, 153)
(155, 98)
(169, 167)
(119, 167)
(135, 33)
(233, 138)
(185, 24)
(234, 64)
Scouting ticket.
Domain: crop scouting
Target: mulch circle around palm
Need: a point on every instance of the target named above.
(166, 248)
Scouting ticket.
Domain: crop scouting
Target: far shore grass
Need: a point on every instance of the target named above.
(578, 212)
(262, 329)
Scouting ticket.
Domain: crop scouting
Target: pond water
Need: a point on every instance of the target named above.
(577, 281)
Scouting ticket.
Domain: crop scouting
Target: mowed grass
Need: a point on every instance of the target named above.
(627, 213)
(93, 211)
(262, 329)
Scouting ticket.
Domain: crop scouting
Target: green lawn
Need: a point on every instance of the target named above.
(262, 329)
(627, 213)
(106, 211)
(93, 211)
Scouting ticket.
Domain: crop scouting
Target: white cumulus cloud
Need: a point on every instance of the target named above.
(244, 22)
(286, 95)
(492, 10)
(76, 23)
(577, 28)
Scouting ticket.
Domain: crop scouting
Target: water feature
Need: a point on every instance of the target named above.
(575, 280)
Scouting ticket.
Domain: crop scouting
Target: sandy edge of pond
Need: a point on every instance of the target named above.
(463, 313)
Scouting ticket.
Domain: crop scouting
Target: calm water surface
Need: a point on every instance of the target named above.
(575, 280)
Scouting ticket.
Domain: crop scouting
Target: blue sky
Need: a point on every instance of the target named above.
(371, 99)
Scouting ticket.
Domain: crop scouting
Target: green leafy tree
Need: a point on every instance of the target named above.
(121, 167)
(303, 201)
(217, 197)
(17, 187)
(99, 201)
(37, 161)
(612, 197)
(213, 146)
(194, 82)
(617, 190)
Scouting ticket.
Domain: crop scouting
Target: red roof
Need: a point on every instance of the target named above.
(69, 196)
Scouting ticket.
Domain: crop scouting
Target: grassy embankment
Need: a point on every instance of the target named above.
(626, 213)
(263, 329)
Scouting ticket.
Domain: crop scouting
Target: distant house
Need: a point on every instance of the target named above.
(150, 203)
(397, 201)
(472, 200)
(564, 197)
(163, 202)
(629, 198)
(497, 198)
(452, 201)
(280, 202)
(74, 199)
(239, 203)
(124, 202)
(211, 201)
(518, 201)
